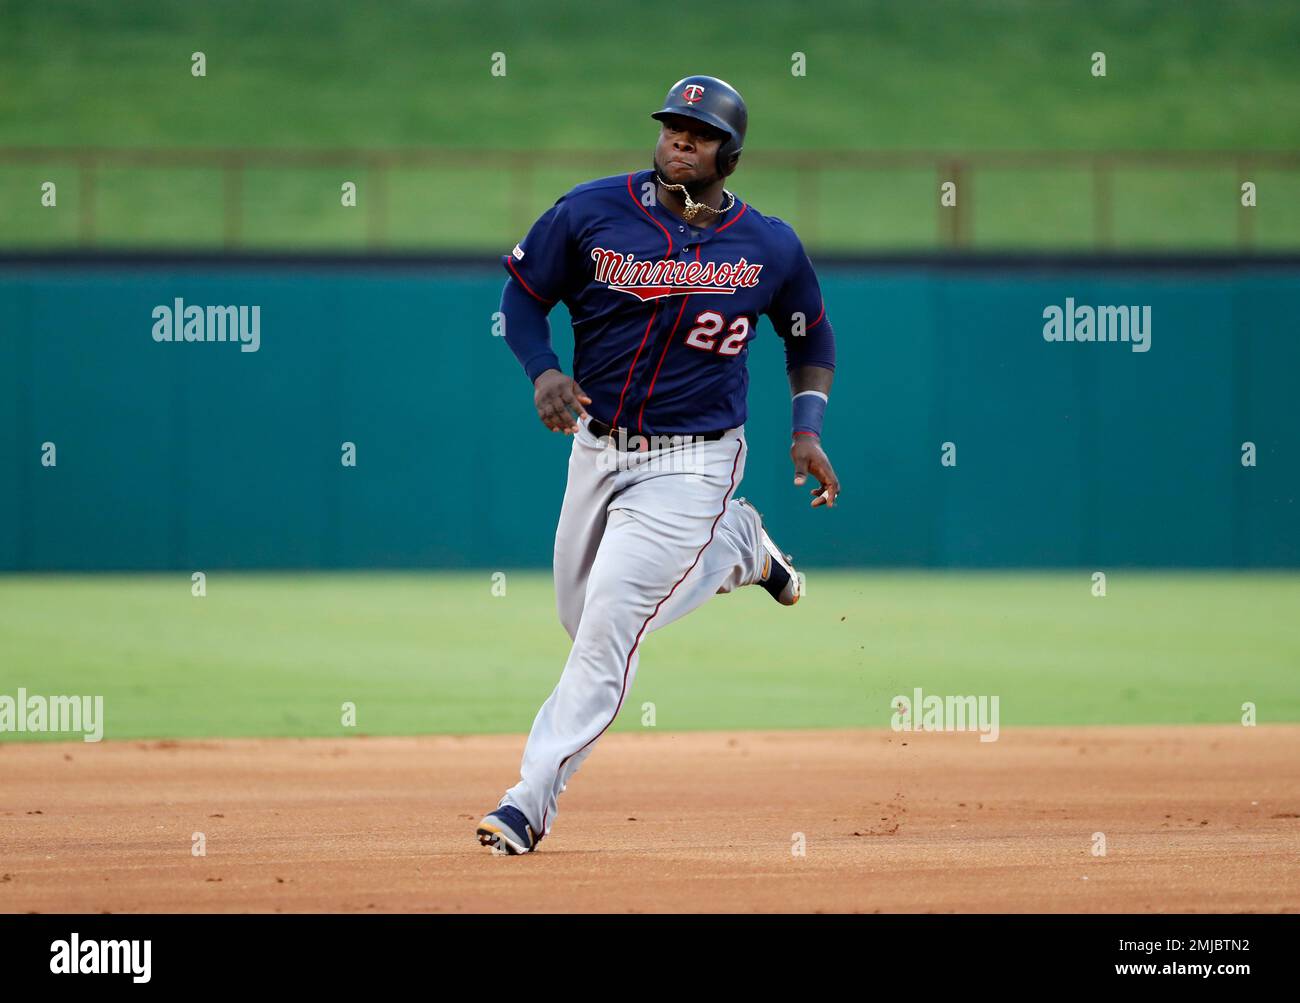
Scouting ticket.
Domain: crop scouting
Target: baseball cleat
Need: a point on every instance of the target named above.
(506, 830)
(778, 576)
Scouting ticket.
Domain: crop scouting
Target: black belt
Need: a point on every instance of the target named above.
(626, 439)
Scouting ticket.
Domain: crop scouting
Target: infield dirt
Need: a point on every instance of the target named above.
(1194, 819)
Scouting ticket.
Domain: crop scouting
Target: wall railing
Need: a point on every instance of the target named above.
(804, 177)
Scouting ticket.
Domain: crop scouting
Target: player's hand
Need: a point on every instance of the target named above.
(556, 395)
(809, 458)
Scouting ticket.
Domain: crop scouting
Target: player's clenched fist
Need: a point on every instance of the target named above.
(557, 396)
(809, 458)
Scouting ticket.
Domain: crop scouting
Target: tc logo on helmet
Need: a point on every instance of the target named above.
(692, 93)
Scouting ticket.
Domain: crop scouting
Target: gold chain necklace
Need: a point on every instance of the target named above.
(693, 208)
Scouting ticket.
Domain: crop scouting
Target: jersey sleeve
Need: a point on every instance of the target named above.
(798, 314)
(542, 260)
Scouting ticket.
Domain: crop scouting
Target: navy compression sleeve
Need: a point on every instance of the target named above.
(528, 332)
(798, 314)
(815, 347)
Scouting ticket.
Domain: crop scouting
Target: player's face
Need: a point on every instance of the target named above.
(687, 152)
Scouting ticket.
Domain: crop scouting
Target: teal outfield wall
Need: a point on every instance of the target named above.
(197, 456)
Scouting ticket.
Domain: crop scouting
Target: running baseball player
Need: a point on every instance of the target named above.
(664, 273)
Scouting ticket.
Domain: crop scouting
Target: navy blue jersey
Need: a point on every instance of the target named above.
(664, 312)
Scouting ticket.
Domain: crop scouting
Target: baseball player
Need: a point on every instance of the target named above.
(664, 273)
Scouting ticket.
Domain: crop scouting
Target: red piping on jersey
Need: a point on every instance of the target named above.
(819, 318)
(627, 666)
(743, 207)
(511, 265)
(656, 222)
(655, 313)
(671, 335)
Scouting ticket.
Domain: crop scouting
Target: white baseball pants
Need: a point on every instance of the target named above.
(643, 539)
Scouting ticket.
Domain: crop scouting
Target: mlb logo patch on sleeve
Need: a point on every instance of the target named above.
(518, 253)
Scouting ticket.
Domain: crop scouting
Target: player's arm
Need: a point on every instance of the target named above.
(528, 333)
(810, 388)
(799, 315)
(539, 268)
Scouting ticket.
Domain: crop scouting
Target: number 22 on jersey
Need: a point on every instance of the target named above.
(708, 325)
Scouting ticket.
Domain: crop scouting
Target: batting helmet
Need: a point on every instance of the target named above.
(716, 102)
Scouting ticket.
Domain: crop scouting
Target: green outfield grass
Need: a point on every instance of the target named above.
(944, 75)
(278, 654)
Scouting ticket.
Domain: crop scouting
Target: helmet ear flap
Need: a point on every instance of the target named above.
(728, 157)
